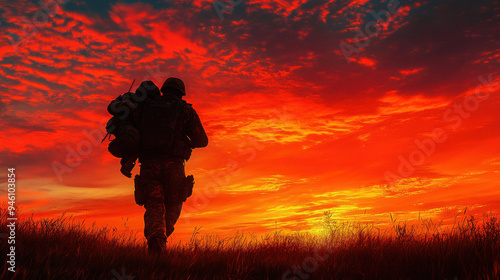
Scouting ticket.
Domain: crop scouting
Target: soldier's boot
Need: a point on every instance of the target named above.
(156, 246)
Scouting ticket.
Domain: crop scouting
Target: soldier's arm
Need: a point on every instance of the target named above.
(195, 130)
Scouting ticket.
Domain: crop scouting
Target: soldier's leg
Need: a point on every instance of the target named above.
(154, 222)
(172, 213)
(173, 195)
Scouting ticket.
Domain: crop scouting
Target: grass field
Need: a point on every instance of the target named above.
(65, 249)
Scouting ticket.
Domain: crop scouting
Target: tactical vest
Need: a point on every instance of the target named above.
(160, 127)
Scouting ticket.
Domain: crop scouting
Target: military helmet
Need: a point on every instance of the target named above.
(174, 83)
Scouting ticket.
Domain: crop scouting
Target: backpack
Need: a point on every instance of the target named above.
(160, 128)
(125, 111)
(126, 141)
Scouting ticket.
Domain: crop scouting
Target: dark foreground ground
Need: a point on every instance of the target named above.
(64, 249)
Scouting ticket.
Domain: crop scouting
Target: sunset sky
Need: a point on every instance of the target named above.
(304, 112)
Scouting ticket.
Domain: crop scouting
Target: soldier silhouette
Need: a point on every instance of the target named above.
(169, 129)
(160, 129)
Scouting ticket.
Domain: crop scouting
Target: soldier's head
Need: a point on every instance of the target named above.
(174, 86)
